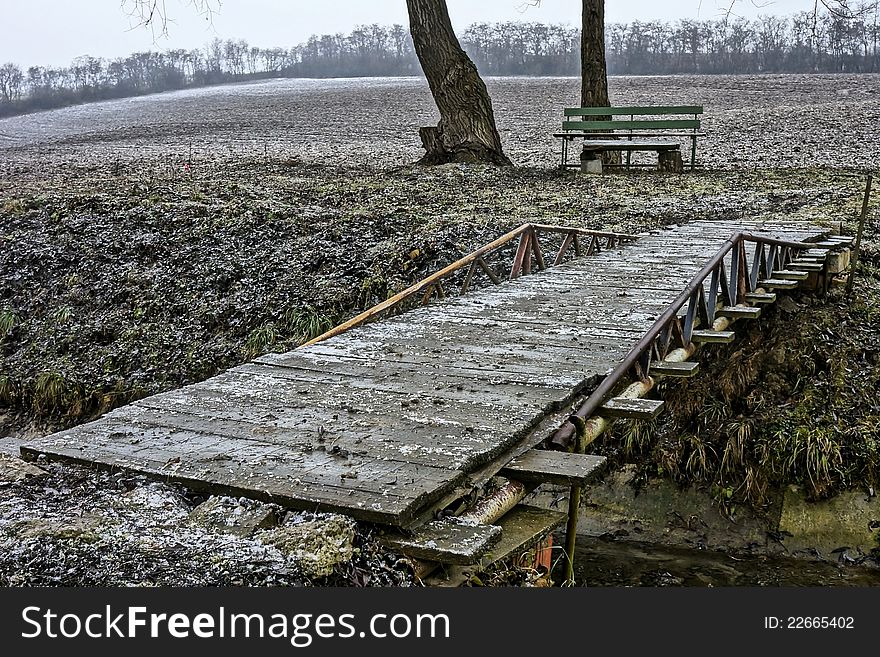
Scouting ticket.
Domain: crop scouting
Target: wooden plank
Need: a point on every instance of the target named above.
(522, 528)
(626, 145)
(645, 124)
(243, 482)
(545, 466)
(438, 385)
(685, 369)
(635, 409)
(740, 312)
(804, 266)
(790, 275)
(760, 297)
(778, 283)
(446, 541)
(713, 337)
(653, 110)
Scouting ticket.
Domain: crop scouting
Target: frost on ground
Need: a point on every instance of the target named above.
(75, 527)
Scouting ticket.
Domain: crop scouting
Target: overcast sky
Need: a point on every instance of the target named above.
(53, 32)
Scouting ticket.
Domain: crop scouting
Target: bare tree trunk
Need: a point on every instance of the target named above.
(594, 73)
(466, 132)
(594, 76)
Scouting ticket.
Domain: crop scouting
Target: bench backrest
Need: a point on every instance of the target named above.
(639, 118)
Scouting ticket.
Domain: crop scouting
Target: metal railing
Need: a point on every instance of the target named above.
(580, 241)
(672, 330)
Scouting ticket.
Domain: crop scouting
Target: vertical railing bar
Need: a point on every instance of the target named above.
(486, 268)
(536, 249)
(465, 286)
(566, 245)
(756, 264)
(733, 283)
(712, 302)
(521, 253)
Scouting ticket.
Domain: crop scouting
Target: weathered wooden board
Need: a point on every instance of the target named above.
(636, 409)
(446, 540)
(521, 529)
(685, 369)
(545, 466)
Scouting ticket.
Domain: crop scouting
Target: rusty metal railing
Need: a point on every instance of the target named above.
(672, 330)
(580, 241)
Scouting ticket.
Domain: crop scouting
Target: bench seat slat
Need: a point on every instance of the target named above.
(624, 145)
(589, 133)
(645, 110)
(658, 124)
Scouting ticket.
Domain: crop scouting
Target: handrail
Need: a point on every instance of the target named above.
(529, 247)
(731, 290)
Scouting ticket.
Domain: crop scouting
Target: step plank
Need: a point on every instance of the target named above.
(634, 409)
(761, 298)
(777, 283)
(790, 275)
(446, 541)
(805, 266)
(713, 337)
(522, 528)
(686, 369)
(545, 466)
(740, 312)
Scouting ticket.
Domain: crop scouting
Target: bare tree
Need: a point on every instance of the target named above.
(466, 131)
(594, 70)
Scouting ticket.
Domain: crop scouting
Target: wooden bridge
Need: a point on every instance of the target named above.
(401, 418)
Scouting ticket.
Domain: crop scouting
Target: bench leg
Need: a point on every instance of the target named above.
(670, 161)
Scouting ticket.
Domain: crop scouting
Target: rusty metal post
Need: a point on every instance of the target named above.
(574, 503)
(858, 245)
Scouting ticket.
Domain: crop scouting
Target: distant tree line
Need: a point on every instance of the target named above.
(801, 43)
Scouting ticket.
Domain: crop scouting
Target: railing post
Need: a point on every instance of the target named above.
(858, 244)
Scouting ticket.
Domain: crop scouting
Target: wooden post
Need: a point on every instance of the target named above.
(858, 245)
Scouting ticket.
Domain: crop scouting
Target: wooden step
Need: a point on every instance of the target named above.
(683, 370)
(713, 337)
(634, 409)
(740, 312)
(545, 466)
(775, 283)
(761, 297)
(446, 541)
(803, 265)
(825, 245)
(790, 275)
(522, 528)
(844, 240)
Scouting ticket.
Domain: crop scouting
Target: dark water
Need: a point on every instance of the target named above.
(617, 563)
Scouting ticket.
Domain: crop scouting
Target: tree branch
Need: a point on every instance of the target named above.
(154, 15)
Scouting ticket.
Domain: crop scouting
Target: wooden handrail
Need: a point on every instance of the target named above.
(471, 258)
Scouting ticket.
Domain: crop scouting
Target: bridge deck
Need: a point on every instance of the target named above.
(383, 420)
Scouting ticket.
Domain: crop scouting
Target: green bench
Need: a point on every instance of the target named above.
(624, 129)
